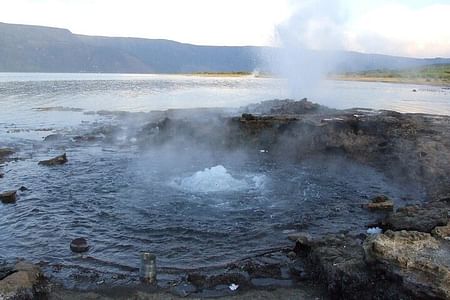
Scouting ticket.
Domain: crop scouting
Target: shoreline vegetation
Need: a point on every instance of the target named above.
(427, 75)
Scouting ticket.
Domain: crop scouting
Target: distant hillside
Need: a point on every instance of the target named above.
(25, 48)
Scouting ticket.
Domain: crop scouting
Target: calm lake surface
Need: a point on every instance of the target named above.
(190, 207)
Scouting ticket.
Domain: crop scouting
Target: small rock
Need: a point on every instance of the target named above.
(292, 255)
(442, 232)
(8, 197)
(59, 160)
(302, 238)
(85, 138)
(23, 188)
(2, 175)
(381, 203)
(196, 279)
(79, 245)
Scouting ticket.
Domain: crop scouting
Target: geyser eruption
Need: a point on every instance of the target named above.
(306, 45)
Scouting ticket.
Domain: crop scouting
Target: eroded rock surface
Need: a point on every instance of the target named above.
(423, 219)
(21, 282)
(382, 203)
(442, 232)
(421, 261)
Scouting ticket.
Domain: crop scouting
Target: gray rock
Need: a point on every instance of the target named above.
(23, 283)
(416, 218)
(421, 261)
(79, 245)
(8, 197)
(59, 160)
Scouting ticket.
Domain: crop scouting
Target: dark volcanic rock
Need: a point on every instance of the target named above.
(286, 107)
(59, 160)
(79, 245)
(416, 218)
(339, 262)
(8, 197)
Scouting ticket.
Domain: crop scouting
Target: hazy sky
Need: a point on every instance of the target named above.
(399, 27)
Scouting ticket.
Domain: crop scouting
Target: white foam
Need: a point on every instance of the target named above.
(217, 179)
(374, 230)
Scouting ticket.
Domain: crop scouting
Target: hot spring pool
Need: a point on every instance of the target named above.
(191, 207)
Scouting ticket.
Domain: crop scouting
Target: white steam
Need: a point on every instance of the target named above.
(308, 42)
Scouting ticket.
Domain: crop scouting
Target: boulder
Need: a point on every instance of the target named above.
(23, 282)
(381, 203)
(8, 197)
(421, 261)
(59, 160)
(416, 218)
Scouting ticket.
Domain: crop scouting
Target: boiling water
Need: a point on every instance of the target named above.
(191, 207)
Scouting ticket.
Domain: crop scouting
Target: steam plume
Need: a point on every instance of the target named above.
(307, 43)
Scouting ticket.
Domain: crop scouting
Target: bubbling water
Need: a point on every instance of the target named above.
(217, 179)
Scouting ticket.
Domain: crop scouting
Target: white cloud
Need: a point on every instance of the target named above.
(399, 27)
(399, 30)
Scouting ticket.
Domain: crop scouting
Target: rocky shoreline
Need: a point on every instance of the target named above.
(409, 259)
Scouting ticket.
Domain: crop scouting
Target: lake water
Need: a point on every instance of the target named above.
(22, 94)
(189, 206)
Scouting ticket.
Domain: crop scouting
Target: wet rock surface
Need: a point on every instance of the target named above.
(339, 262)
(21, 281)
(58, 160)
(421, 261)
(442, 232)
(8, 197)
(4, 153)
(417, 218)
(398, 264)
(402, 264)
(382, 203)
(79, 245)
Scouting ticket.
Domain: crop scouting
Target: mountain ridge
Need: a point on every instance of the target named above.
(30, 48)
